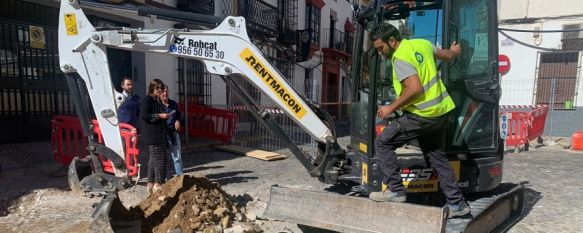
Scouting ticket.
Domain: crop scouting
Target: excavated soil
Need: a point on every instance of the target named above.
(192, 204)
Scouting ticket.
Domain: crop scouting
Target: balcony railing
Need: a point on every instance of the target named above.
(259, 15)
(336, 39)
(197, 6)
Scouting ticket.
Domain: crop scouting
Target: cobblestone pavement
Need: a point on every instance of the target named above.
(555, 190)
(554, 198)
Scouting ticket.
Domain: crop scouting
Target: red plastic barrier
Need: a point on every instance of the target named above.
(517, 128)
(525, 125)
(68, 141)
(211, 123)
(538, 118)
(129, 136)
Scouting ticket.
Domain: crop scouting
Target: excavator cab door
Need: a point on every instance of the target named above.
(472, 79)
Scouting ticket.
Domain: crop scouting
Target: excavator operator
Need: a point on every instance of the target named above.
(426, 104)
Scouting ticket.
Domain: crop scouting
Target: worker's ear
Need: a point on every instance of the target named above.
(392, 42)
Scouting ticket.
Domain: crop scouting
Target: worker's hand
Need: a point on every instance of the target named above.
(177, 125)
(164, 116)
(456, 49)
(385, 111)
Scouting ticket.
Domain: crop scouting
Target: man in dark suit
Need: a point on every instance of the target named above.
(129, 110)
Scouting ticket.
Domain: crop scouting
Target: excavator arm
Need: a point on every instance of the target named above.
(225, 50)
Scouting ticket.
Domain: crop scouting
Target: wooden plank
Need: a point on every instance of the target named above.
(258, 154)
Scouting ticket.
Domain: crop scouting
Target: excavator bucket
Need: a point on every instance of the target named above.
(351, 214)
(79, 169)
(110, 215)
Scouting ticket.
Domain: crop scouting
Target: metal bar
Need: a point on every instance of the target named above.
(75, 94)
(185, 84)
(552, 103)
(269, 123)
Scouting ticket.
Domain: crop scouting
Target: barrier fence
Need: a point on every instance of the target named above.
(524, 125)
(68, 141)
(129, 137)
(211, 123)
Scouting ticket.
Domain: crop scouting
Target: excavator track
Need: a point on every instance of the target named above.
(492, 211)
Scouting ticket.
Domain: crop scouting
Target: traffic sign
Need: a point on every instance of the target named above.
(503, 64)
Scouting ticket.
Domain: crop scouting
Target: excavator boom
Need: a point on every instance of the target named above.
(227, 51)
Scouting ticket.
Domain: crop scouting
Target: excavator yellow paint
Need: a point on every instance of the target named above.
(362, 147)
(364, 173)
(71, 24)
(274, 82)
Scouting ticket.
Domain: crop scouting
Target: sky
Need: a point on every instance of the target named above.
(426, 30)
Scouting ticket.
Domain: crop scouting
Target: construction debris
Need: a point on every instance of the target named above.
(192, 204)
(258, 154)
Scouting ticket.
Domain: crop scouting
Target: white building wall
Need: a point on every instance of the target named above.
(518, 85)
(161, 66)
(514, 9)
(343, 11)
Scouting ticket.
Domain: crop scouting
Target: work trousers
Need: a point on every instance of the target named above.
(430, 133)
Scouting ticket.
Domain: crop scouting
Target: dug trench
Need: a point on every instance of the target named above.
(193, 204)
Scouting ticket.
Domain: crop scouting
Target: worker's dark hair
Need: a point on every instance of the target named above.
(124, 78)
(155, 83)
(385, 31)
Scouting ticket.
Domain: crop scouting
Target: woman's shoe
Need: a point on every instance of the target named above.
(150, 187)
(156, 188)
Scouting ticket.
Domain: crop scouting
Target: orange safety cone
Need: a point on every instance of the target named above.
(577, 141)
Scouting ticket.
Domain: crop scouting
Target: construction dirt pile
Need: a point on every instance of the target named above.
(193, 204)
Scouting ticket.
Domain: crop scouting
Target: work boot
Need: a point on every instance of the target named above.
(388, 196)
(460, 209)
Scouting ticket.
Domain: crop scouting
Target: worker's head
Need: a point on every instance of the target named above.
(127, 84)
(164, 93)
(385, 38)
(155, 88)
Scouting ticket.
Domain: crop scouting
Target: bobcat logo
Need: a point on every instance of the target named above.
(178, 40)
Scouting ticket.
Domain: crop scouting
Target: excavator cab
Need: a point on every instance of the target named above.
(473, 140)
(474, 146)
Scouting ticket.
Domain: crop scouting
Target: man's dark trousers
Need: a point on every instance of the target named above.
(431, 133)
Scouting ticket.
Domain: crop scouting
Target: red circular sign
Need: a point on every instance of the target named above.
(503, 64)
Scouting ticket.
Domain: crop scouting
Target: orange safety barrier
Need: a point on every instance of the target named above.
(68, 141)
(517, 128)
(577, 140)
(211, 123)
(129, 136)
(538, 119)
(525, 125)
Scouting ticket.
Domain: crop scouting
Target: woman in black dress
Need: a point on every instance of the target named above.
(153, 129)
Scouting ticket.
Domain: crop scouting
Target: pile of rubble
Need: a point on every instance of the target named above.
(193, 204)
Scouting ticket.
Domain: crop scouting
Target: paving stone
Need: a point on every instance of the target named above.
(554, 194)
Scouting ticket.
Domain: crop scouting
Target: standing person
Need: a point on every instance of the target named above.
(173, 127)
(426, 105)
(129, 110)
(153, 127)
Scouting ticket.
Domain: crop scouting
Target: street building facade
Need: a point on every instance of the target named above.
(541, 44)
